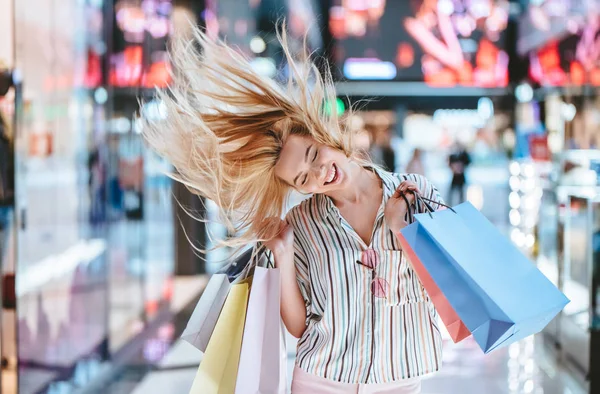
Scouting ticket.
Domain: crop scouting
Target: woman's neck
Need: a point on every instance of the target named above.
(364, 184)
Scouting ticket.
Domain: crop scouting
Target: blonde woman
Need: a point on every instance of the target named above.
(364, 321)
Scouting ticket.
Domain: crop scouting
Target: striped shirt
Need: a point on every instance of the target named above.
(352, 336)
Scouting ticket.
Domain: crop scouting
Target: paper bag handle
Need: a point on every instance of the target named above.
(425, 201)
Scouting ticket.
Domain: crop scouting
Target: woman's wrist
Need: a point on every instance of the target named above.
(282, 251)
(396, 229)
(282, 256)
(399, 223)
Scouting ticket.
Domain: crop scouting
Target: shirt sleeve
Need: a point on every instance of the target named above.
(301, 263)
(303, 278)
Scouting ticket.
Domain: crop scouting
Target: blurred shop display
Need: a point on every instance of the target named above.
(554, 176)
(250, 26)
(561, 39)
(530, 132)
(139, 57)
(442, 43)
(576, 134)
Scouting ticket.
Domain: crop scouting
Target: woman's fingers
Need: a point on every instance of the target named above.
(408, 186)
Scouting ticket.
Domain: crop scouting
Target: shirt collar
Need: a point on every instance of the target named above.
(388, 180)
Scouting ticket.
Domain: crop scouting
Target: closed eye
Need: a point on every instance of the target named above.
(313, 160)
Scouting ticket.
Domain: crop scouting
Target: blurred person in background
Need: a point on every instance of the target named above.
(415, 165)
(7, 188)
(244, 142)
(363, 143)
(458, 161)
(381, 150)
(362, 137)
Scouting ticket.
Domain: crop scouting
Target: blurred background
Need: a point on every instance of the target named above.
(495, 101)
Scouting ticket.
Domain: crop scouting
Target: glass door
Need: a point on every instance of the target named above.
(549, 233)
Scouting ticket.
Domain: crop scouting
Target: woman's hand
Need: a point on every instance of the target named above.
(283, 243)
(396, 209)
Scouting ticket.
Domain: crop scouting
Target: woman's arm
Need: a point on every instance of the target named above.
(293, 308)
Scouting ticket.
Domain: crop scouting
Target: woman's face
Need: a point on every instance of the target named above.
(311, 167)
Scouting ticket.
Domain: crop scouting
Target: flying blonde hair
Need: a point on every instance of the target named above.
(225, 125)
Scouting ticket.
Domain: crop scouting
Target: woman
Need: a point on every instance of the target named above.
(364, 320)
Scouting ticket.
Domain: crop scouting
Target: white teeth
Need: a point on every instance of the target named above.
(331, 174)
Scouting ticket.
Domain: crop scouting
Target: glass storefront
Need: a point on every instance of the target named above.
(94, 225)
(567, 219)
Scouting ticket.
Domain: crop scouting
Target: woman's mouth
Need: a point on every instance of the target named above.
(332, 176)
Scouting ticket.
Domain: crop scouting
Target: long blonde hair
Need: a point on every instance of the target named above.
(225, 125)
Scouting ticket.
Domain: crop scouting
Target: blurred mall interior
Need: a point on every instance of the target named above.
(98, 278)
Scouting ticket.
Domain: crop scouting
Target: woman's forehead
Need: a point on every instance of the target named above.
(294, 148)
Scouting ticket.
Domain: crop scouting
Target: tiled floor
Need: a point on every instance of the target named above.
(526, 367)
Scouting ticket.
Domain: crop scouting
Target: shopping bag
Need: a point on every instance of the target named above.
(202, 323)
(260, 360)
(219, 366)
(455, 327)
(496, 291)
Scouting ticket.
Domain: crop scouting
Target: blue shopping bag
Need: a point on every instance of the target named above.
(496, 291)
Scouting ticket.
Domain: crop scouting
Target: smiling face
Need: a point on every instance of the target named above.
(311, 167)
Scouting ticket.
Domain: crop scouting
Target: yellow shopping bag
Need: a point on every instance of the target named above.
(218, 370)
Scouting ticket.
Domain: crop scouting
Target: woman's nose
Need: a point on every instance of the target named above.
(320, 172)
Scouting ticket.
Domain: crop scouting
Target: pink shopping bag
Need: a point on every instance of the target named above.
(456, 328)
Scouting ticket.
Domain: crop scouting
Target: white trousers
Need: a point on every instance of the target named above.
(305, 383)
